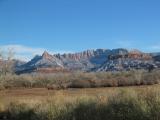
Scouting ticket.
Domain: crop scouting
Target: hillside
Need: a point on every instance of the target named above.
(91, 60)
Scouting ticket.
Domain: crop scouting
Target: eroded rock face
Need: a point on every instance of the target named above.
(96, 60)
(157, 58)
(82, 55)
(44, 61)
(128, 61)
(46, 55)
(131, 55)
(84, 60)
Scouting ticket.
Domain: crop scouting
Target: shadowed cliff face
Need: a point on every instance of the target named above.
(157, 58)
(96, 60)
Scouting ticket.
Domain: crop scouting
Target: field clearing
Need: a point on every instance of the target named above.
(116, 103)
(42, 94)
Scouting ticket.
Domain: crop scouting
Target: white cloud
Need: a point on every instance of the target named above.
(22, 49)
(26, 53)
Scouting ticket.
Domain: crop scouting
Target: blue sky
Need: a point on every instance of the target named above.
(31, 26)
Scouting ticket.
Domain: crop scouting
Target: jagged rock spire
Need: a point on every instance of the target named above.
(46, 55)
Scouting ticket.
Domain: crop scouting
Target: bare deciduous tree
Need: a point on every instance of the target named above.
(6, 61)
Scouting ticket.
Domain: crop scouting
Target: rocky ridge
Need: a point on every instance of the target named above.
(91, 60)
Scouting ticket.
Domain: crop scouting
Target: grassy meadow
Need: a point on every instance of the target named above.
(123, 103)
(26, 99)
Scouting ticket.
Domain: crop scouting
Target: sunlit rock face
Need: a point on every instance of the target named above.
(92, 60)
(128, 61)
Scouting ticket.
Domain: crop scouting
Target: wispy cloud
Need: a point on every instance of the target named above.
(26, 53)
(22, 49)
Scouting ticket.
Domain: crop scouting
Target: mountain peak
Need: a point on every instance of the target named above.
(46, 55)
(98, 60)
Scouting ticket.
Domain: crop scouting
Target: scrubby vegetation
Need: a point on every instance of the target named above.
(122, 105)
(80, 80)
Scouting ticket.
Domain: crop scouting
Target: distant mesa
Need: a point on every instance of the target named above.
(91, 60)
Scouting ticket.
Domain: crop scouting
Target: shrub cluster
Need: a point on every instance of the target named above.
(80, 80)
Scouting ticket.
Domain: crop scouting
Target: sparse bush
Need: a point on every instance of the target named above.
(81, 80)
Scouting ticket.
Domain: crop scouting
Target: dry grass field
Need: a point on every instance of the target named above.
(40, 94)
(117, 103)
(26, 97)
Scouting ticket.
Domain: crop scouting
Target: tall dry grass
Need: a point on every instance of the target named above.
(120, 105)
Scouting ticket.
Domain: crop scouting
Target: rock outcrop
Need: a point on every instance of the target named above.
(91, 60)
(128, 61)
(39, 62)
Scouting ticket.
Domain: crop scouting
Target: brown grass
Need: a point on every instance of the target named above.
(123, 103)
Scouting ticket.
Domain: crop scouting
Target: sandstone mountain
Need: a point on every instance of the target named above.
(91, 60)
(131, 60)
